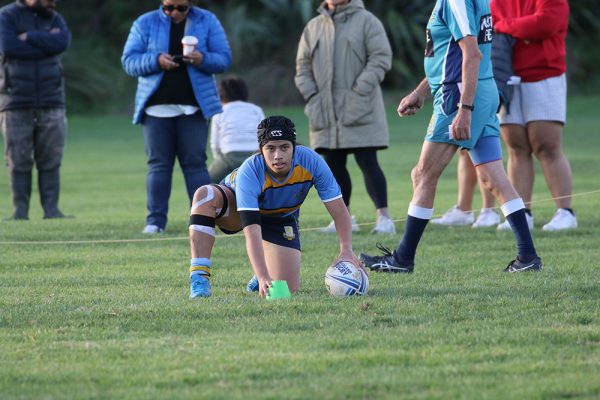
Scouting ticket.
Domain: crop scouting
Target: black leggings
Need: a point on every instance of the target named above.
(372, 173)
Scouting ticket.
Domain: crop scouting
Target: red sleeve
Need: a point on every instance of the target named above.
(550, 17)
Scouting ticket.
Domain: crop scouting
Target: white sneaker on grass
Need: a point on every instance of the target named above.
(384, 226)
(505, 226)
(455, 217)
(152, 230)
(331, 227)
(487, 217)
(563, 219)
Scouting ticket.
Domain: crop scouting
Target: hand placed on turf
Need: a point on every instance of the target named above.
(264, 283)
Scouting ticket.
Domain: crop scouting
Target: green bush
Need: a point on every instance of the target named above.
(264, 37)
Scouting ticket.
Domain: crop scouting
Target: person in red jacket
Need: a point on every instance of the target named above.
(533, 122)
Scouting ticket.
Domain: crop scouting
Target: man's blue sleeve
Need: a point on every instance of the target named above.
(218, 57)
(136, 59)
(13, 47)
(460, 18)
(51, 43)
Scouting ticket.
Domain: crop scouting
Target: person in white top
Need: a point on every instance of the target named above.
(233, 132)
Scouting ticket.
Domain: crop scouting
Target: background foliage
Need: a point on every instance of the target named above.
(264, 36)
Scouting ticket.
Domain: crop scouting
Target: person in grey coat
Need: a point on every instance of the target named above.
(32, 101)
(342, 58)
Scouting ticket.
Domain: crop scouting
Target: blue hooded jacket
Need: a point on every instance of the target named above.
(149, 37)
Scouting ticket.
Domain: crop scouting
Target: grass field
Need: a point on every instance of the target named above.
(92, 309)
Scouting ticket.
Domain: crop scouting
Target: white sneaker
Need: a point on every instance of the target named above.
(487, 217)
(384, 226)
(505, 226)
(152, 230)
(455, 217)
(561, 220)
(331, 227)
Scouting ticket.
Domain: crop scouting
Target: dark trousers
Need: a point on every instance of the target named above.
(34, 136)
(183, 137)
(372, 173)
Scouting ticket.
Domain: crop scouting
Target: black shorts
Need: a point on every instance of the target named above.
(281, 231)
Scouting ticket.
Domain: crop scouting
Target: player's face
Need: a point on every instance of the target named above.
(278, 156)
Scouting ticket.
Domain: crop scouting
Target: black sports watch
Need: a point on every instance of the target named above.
(469, 107)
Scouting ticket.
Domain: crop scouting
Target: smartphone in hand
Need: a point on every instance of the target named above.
(178, 58)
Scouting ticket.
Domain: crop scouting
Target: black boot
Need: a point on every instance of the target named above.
(20, 186)
(49, 186)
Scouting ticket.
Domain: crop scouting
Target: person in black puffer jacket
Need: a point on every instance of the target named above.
(32, 100)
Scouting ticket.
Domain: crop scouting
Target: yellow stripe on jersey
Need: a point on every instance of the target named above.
(299, 175)
(281, 210)
(232, 177)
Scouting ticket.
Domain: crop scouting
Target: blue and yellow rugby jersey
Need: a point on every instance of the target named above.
(450, 21)
(256, 190)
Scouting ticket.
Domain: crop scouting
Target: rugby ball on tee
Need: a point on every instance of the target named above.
(345, 279)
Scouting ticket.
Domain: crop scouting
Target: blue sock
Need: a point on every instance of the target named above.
(525, 248)
(405, 252)
(200, 266)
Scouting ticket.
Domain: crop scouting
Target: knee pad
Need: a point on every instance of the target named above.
(202, 223)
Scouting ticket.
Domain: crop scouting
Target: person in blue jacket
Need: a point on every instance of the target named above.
(33, 37)
(262, 198)
(176, 96)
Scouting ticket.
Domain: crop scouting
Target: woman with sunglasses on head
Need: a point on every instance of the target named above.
(176, 96)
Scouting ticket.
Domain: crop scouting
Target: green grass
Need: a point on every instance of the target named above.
(102, 311)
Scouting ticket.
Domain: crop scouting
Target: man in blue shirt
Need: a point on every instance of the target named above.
(459, 75)
(263, 198)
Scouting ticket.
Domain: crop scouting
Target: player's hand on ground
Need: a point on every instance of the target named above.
(410, 104)
(166, 63)
(461, 125)
(264, 283)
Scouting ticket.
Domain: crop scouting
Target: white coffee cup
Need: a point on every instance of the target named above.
(189, 44)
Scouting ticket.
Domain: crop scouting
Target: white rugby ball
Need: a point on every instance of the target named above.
(345, 279)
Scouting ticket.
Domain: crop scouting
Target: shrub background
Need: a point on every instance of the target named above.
(264, 36)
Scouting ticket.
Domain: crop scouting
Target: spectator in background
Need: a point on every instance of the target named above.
(342, 58)
(176, 96)
(32, 101)
(462, 213)
(233, 132)
(533, 125)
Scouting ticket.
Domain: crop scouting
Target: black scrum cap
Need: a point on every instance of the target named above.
(276, 128)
